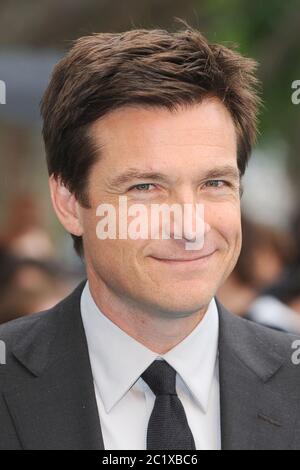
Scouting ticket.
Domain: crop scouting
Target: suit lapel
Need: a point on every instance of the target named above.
(55, 408)
(254, 412)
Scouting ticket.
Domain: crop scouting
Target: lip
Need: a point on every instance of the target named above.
(186, 261)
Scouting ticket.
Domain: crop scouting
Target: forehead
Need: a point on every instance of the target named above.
(149, 133)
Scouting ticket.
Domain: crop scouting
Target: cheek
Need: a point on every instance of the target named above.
(225, 220)
(110, 253)
(115, 257)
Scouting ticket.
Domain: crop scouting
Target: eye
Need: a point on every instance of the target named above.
(142, 187)
(216, 183)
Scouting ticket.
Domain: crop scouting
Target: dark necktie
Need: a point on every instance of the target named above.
(168, 428)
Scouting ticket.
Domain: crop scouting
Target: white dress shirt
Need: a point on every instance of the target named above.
(125, 401)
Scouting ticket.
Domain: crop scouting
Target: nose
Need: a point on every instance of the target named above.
(189, 224)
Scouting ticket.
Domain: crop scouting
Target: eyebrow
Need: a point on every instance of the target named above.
(226, 171)
(137, 174)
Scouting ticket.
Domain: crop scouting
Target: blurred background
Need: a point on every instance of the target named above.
(37, 263)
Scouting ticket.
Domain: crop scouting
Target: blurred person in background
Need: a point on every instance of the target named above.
(266, 253)
(295, 230)
(24, 233)
(278, 304)
(29, 285)
(32, 278)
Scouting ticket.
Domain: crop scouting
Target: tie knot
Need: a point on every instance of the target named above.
(161, 378)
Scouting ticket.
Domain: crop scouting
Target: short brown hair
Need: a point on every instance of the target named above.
(106, 71)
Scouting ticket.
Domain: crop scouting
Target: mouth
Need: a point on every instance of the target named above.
(185, 261)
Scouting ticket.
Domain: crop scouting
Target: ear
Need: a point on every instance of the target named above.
(65, 206)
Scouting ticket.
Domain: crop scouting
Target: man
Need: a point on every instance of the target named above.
(143, 356)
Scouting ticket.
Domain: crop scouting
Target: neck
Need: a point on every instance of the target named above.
(156, 332)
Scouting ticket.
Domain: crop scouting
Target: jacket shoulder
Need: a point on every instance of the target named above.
(12, 329)
(258, 345)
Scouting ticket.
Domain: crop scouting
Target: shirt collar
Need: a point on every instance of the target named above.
(118, 360)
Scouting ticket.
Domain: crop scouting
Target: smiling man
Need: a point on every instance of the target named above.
(142, 355)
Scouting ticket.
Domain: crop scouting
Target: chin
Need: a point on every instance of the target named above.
(185, 302)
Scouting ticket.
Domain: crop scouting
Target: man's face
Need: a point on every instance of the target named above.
(183, 157)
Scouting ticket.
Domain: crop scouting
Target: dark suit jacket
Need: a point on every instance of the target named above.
(47, 398)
